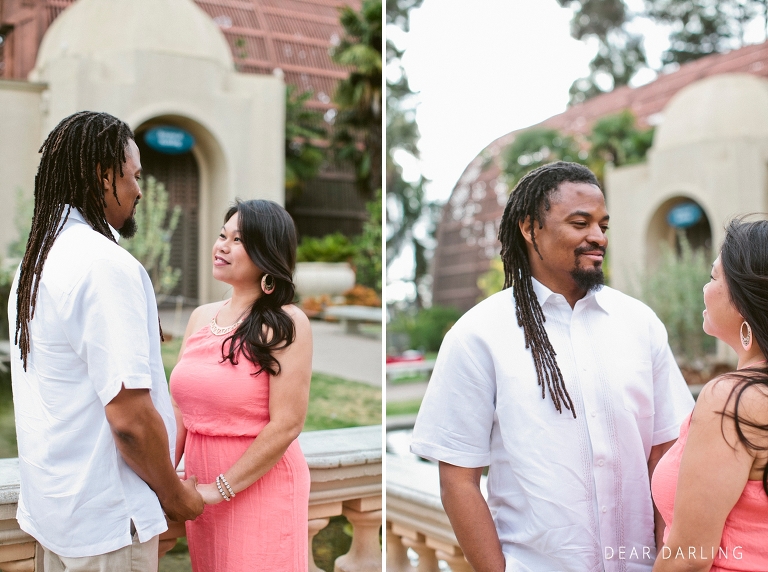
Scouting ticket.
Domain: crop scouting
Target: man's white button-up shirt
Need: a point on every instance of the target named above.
(95, 329)
(566, 494)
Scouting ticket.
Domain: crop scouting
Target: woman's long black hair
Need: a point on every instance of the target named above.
(269, 237)
(744, 257)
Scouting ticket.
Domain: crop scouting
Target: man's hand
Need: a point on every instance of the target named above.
(188, 506)
(470, 517)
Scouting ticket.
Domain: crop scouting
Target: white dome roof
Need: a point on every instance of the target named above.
(99, 29)
(717, 108)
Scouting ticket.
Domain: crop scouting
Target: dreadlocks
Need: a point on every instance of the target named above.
(531, 198)
(74, 156)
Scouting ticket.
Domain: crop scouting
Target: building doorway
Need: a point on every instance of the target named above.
(181, 176)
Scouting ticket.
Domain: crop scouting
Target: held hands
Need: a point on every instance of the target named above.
(210, 493)
(189, 503)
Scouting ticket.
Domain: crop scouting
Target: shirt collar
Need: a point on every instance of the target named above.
(544, 295)
(76, 215)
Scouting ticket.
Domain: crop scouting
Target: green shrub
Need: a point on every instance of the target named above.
(331, 248)
(368, 254)
(427, 328)
(151, 245)
(674, 292)
(6, 279)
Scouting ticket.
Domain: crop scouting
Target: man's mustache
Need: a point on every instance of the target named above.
(584, 249)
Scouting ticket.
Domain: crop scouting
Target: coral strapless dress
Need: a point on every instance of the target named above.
(224, 407)
(744, 544)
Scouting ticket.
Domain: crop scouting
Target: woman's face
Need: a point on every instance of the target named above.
(231, 263)
(721, 319)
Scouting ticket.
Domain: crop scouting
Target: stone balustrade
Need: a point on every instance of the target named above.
(345, 468)
(416, 519)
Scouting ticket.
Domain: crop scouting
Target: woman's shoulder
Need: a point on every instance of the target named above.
(750, 390)
(300, 319)
(203, 314)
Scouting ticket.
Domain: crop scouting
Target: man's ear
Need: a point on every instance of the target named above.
(525, 230)
(105, 177)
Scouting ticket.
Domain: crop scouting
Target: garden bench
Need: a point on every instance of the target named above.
(352, 316)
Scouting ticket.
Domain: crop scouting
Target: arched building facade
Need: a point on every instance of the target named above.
(213, 69)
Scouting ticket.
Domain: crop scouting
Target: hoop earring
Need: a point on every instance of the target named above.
(267, 284)
(746, 339)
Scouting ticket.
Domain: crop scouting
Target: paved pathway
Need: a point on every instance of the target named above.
(353, 357)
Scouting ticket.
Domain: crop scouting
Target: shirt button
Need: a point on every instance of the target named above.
(601, 463)
(605, 509)
(594, 414)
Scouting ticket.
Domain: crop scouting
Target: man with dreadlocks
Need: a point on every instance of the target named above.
(94, 420)
(565, 388)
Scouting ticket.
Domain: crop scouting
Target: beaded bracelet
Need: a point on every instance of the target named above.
(226, 484)
(221, 491)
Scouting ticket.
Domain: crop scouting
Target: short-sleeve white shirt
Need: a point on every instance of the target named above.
(95, 329)
(565, 494)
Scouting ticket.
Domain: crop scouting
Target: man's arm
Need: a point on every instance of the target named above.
(470, 517)
(657, 452)
(142, 440)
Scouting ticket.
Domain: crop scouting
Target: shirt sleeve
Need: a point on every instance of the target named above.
(456, 417)
(672, 398)
(106, 321)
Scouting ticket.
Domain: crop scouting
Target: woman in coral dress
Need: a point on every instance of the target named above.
(711, 487)
(240, 391)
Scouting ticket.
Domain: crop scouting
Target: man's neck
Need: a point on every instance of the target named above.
(566, 288)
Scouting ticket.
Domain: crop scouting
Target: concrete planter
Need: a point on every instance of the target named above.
(317, 278)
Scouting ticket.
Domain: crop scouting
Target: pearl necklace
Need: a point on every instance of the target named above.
(217, 330)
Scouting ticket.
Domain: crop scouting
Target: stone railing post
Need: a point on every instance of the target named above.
(345, 468)
(397, 554)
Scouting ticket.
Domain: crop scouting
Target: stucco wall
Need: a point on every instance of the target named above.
(20, 138)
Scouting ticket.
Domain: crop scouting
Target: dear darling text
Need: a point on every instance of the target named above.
(693, 552)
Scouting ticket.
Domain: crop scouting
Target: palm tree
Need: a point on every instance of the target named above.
(357, 127)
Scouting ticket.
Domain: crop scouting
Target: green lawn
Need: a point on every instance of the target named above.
(404, 407)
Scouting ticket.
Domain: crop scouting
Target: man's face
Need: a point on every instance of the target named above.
(120, 212)
(572, 241)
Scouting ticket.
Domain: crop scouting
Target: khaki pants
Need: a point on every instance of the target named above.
(136, 557)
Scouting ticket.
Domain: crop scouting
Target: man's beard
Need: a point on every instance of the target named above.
(588, 278)
(129, 228)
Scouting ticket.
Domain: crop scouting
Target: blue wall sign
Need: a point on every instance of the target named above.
(169, 140)
(684, 215)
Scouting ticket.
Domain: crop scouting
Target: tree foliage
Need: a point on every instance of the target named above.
(151, 245)
(357, 126)
(698, 28)
(617, 140)
(367, 260)
(411, 218)
(536, 147)
(304, 131)
(620, 54)
(614, 139)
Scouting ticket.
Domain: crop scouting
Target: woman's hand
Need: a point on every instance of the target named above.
(210, 493)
